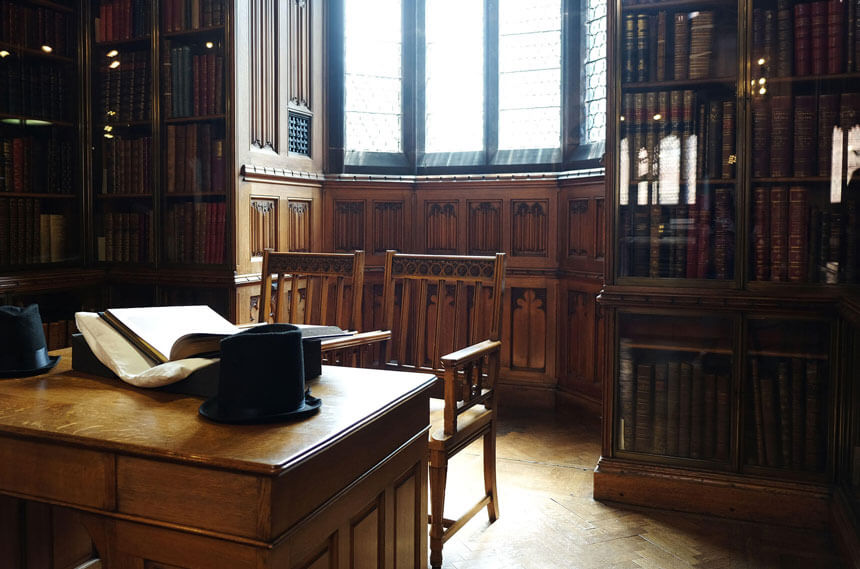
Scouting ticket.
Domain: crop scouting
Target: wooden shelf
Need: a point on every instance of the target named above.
(184, 195)
(793, 180)
(199, 118)
(672, 84)
(814, 78)
(53, 5)
(40, 195)
(688, 348)
(143, 40)
(781, 354)
(34, 53)
(669, 4)
(213, 30)
(122, 124)
(123, 196)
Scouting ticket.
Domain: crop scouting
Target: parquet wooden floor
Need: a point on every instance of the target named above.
(549, 519)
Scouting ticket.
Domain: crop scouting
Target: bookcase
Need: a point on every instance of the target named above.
(161, 135)
(732, 214)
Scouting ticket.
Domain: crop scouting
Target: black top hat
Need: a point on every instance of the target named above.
(23, 351)
(262, 378)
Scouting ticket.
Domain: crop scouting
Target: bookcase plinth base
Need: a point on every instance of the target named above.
(716, 494)
(846, 528)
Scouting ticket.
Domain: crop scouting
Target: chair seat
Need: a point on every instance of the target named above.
(470, 423)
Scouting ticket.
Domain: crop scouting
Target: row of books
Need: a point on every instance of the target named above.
(195, 232)
(181, 15)
(807, 38)
(787, 412)
(33, 89)
(694, 240)
(124, 87)
(673, 407)
(28, 235)
(195, 159)
(794, 136)
(672, 136)
(658, 47)
(122, 20)
(58, 333)
(193, 82)
(127, 237)
(34, 26)
(43, 164)
(127, 165)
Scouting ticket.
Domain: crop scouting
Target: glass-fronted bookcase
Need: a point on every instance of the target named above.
(732, 178)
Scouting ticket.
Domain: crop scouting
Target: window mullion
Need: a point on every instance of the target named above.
(491, 79)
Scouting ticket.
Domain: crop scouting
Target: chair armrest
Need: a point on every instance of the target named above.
(470, 353)
(358, 339)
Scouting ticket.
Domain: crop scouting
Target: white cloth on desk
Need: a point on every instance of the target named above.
(125, 360)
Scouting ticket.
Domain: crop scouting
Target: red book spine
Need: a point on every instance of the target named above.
(210, 84)
(781, 135)
(703, 242)
(802, 39)
(196, 88)
(804, 135)
(761, 234)
(798, 230)
(778, 234)
(692, 241)
(222, 222)
(818, 37)
(835, 40)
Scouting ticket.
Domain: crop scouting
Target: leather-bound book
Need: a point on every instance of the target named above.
(769, 419)
(678, 248)
(681, 38)
(728, 158)
(642, 43)
(724, 408)
(697, 411)
(798, 233)
(761, 233)
(802, 39)
(804, 136)
(660, 408)
(654, 238)
(781, 136)
(673, 394)
(755, 380)
(785, 416)
(723, 234)
(834, 39)
(714, 144)
(660, 47)
(797, 413)
(779, 234)
(828, 118)
(641, 241)
(813, 441)
(709, 428)
(818, 37)
(685, 388)
(704, 227)
(701, 44)
(769, 39)
(644, 407)
(784, 39)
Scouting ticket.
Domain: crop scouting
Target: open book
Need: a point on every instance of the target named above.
(168, 333)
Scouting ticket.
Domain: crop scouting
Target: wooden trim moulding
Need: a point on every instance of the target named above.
(251, 173)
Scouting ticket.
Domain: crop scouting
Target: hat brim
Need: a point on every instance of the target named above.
(211, 409)
(13, 373)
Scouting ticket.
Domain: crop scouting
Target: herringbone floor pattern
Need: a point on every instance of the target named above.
(549, 519)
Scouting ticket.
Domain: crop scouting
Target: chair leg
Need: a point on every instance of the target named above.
(438, 477)
(490, 473)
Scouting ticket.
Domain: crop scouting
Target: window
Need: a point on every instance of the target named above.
(467, 85)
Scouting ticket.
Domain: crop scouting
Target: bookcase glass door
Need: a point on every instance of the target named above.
(123, 185)
(787, 385)
(805, 105)
(192, 66)
(40, 197)
(678, 110)
(849, 461)
(674, 386)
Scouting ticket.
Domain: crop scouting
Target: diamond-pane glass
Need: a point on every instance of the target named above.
(373, 71)
(454, 81)
(529, 74)
(595, 71)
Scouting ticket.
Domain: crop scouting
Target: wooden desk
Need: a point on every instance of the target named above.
(153, 481)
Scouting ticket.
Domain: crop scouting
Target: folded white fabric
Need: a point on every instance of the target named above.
(125, 360)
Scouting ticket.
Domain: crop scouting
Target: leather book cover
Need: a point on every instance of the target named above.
(673, 394)
(697, 411)
(660, 408)
(813, 442)
(802, 39)
(779, 234)
(804, 136)
(723, 412)
(784, 40)
(681, 43)
(644, 407)
(798, 233)
(828, 118)
(781, 136)
(798, 411)
(626, 396)
(784, 397)
(761, 233)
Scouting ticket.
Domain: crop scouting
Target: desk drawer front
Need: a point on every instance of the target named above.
(30, 468)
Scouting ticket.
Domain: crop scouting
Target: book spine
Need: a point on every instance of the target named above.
(804, 135)
(769, 418)
(701, 44)
(781, 135)
(803, 39)
(813, 427)
(834, 39)
(644, 407)
(642, 44)
(673, 402)
(723, 417)
(778, 234)
(685, 389)
(709, 430)
(682, 46)
(828, 119)
(723, 234)
(761, 234)
(784, 397)
(660, 442)
(798, 232)
(660, 64)
(697, 411)
(797, 413)
(728, 158)
(784, 39)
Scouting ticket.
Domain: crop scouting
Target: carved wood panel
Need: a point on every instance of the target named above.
(348, 226)
(263, 74)
(441, 227)
(264, 225)
(388, 227)
(579, 234)
(583, 353)
(485, 227)
(528, 328)
(366, 537)
(599, 229)
(299, 223)
(530, 226)
(300, 57)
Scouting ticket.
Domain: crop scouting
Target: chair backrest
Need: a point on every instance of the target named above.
(312, 288)
(438, 304)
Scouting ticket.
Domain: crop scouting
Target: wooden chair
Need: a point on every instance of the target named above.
(320, 288)
(437, 305)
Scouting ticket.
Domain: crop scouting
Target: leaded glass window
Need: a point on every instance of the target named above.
(594, 96)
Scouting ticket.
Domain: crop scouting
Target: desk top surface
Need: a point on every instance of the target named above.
(104, 414)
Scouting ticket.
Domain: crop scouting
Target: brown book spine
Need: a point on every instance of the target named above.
(834, 39)
(4, 232)
(660, 408)
(813, 425)
(714, 143)
(660, 64)
(804, 135)
(654, 242)
(769, 40)
(673, 402)
(701, 44)
(758, 412)
(724, 241)
(802, 39)
(644, 407)
(685, 392)
(769, 418)
(797, 414)
(761, 234)
(628, 69)
(703, 238)
(721, 451)
(180, 157)
(798, 233)
(219, 84)
(782, 380)
(167, 80)
(778, 234)
(784, 39)
(828, 119)
(697, 411)
(709, 430)
(682, 46)
(642, 44)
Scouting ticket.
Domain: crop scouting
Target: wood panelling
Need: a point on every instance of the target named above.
(528, 328)
(300, 58)
(348, 226)
(300, 223)
(366, 537)
(485, 227)
(264, 225)
(578, 234)
(584, 342)
(440, 229)
(530, 227)
(389, 226)
(264, 73)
